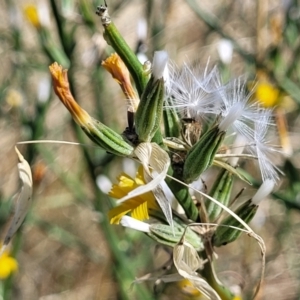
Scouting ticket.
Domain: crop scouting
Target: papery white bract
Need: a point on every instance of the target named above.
(24, 198)
(187, 261)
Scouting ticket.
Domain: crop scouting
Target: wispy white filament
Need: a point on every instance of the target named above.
(260, 147)
(132, 223)
(194, 93)
(159, 64)
(238, 111)
(264, 191)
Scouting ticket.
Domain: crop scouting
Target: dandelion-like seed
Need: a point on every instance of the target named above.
(260, 147)
(237, 111)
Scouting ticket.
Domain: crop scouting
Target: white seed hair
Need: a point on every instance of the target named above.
(193, 92)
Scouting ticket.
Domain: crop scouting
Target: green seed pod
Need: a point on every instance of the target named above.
(171, 122)
(166, 235)
(220, 191)
(223, 234)
(202, 154)
(149, 113)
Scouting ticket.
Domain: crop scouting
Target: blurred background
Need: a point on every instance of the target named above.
(66, 249)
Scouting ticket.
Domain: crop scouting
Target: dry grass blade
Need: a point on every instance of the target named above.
(24, 197)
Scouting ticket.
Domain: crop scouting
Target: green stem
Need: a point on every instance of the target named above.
(209, 273)
(182, 194)
(115, 40)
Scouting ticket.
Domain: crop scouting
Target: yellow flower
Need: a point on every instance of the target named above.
(8, 265)
(266, 94)
(188, 289)
(32, 15)
(116, 67)
(14, 98)
(62, 90)
(137, 206)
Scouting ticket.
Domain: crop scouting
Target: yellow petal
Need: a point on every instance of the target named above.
(137, 205)
(140, 212)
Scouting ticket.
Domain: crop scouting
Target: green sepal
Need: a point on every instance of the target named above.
(202, 154)
(220, 191)
(225, 235)
(149, 113)
(107, 138)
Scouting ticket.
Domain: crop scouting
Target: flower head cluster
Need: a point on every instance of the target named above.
(220, 110)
